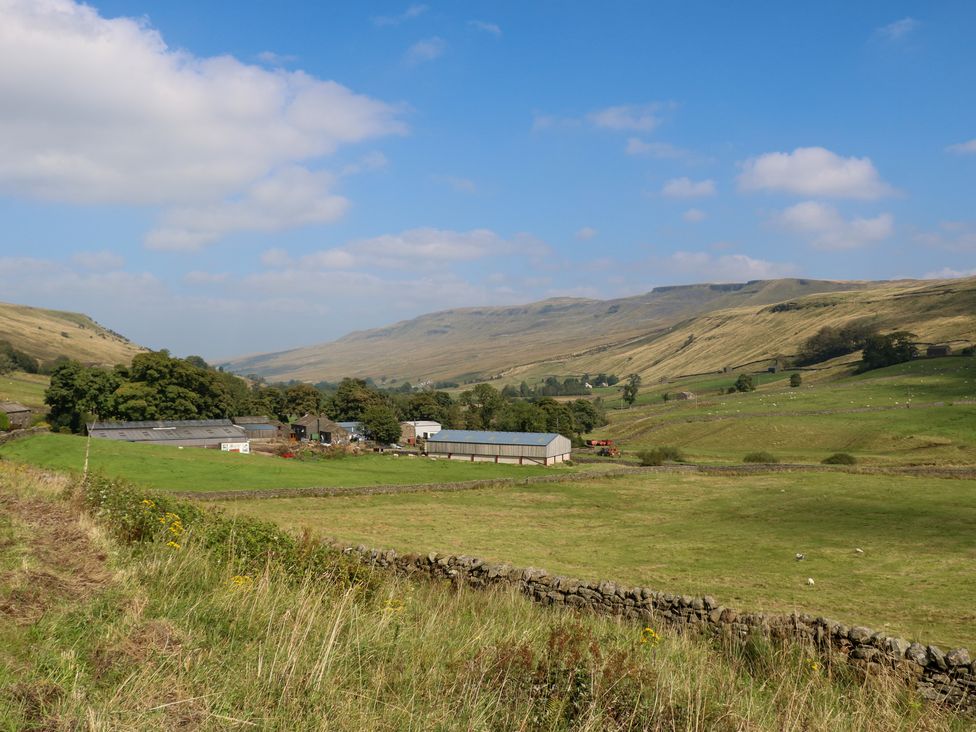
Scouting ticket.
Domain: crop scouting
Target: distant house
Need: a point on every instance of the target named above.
(416, 429)
(522, 448)
(319, 428)
(939, 350)
(18, 415)
(355, 430)
(261, 428)
(215, 434)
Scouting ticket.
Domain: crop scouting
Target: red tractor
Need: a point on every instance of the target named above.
(607, 448)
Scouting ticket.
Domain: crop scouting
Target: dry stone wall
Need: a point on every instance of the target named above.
(946, 677)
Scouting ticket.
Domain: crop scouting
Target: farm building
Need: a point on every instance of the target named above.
(18, 415)
(416, 429)
(261, 428)
(216, 434)
(319, 428)
(355, 430)
(523, 448)
(937, 350)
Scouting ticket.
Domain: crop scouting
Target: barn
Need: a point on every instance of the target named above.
(319, 428)
(18, 415)
(522, 448)
(215, 434)
(260, 428)
(415, 429)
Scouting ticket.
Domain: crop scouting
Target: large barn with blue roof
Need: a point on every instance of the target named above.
(521, 448)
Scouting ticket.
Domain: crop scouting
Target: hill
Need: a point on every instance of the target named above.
(47, 334)
(669, 331)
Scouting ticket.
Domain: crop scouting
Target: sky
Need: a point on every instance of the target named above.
(223, 178)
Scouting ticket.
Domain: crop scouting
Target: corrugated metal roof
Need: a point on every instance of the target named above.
(483, 437)
(351, 426)
(254, 420)
(161, 423)
(11, 407)
(223, 433)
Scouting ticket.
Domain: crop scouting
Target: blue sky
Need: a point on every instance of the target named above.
(224, 178)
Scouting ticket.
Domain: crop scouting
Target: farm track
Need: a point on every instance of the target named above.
(963, 473)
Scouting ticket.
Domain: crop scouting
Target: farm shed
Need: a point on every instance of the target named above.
(355, 430)
(261, 428)
(522, 448)
(416, 429)
(18, 415)
(320, 428)
(937, 350)
(216, 434)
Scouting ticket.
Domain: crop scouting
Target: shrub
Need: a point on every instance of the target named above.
(744, 383)
(795, 380)
(660, 455)
(4, 421)
(760, 457)
(840, 458)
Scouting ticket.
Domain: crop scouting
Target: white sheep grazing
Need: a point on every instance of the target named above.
(810, 581)
(800, 557)
(858, 550)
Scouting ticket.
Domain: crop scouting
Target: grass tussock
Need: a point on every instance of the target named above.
(766, 458)
(200, 638)
(660, 455)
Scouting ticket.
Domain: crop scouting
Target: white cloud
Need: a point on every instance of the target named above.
(687, 188)
(953, 236)
(101, 110)
(413, 11)
(827, 229)
(662, 150)
(465, 185)
(964, 148)
(897, 30)
(694, 215)
(276, 59)
(482, 25)
(197, 277)
(276, 257)
(101, 261)
(705, 267)
(586, 233)
(636, 117)
(426, 50)
(947, 273)
(813, 171)
(290, 198)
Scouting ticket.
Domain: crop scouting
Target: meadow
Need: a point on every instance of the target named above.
(732, 537)
(28, 389)
(151, 637)
(192, 469)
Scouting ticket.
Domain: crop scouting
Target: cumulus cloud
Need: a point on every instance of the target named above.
(706, 267)
(586, 233)
(947, 273)
(694, 215)
(101, 261)
(898, 30)
(687, 188)
(485, 26)
(964, 148)
(413, 11)
(636, 117)
(289, 198)
(827, 229)
(100, 110)
(813, 171)
(425, 50)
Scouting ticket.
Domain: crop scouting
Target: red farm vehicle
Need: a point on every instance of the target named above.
(606, 448)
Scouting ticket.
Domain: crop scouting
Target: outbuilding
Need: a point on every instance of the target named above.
(355, 430)
(938, 350)
(319, 428)
(18, 415)
(215, 434)
(521, 448)
(418, 429)
(260, 428)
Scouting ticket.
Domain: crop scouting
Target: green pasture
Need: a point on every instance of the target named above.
(195, 469)
(28, 389)
(731, 537)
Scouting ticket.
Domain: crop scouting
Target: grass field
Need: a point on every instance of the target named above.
(194, 469)
(818, 418)
(732, 537)
(28, 389)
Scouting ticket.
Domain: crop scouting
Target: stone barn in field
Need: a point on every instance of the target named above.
(216, 434)
(422, 429)
(319, 428)
(938, 350)
(18, 415)
(521, 448)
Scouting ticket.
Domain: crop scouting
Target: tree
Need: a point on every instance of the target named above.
(302, 399)
(352, 399)
(380, 424)
(830, 342)
(76, 392)
(588, 415)
(487, 401)
(795, 380)
(521, 417)
(744, 383)
(631, 388)
(887, 350)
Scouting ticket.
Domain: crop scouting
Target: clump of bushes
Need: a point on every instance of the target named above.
(743, 383)
(795, 380)
(660, 455)
(840, 458)
(760, 457)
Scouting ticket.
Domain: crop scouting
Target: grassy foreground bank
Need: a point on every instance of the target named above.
(217, 634)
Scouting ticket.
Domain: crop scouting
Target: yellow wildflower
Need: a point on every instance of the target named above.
(650, 637)
(172, 545)
(242, 581)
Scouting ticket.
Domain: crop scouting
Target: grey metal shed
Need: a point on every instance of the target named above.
(522, 448)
